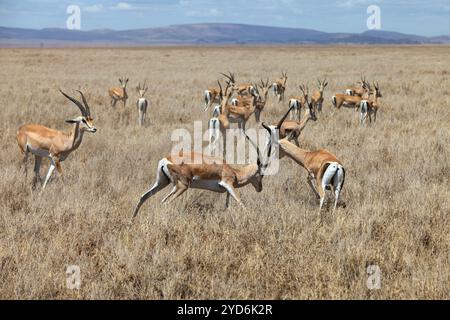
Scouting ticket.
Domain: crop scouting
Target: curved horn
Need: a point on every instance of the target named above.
(257, 150)
(284, 118)
(76, 102)
(86, 106)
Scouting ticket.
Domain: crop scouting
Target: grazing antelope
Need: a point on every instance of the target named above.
(370, 107)
(297, 103)
(279, 86)
(357, 91)
(213, 175)
(119, 93)
(325, 171)
(292, 129)
(142, 103)
(54, 144)
(317, 96)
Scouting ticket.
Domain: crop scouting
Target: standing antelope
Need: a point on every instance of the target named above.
(370, 107)
(340, 99)
(298, 102)
(142, 103)
(324, 169)
(213, 174)
(54, 144)
(279, 86)
(317, 96)
(261, 99)
(119, 93)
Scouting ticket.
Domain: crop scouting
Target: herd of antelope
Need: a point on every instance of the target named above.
(231, 103)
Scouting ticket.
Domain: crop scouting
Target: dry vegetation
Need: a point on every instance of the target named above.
(396, 192)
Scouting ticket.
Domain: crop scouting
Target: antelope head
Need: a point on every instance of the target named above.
(304, 89)
(322, 84)
(256, 178)
(377, 92)
(142, 90)
(123, 81)
(284, 77)
(265, 90)
(85, 120)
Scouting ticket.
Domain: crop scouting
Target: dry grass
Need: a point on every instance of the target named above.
(397, 188)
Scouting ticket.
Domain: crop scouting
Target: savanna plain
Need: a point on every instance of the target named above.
(396, 193)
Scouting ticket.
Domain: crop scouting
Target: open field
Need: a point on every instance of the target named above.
(396, 192)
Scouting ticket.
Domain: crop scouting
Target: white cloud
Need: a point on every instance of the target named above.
(94, 8)
(123, 6)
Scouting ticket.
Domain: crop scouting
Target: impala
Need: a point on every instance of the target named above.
(325, 171)
(279, 86)
(317, 96)
(119, 93)
(212, 175)
(142, 103)
(370, 107)
(53, 144)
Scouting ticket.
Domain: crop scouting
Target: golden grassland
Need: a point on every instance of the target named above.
(396, 192)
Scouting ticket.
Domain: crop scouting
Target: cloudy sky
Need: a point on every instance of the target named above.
(421, 17)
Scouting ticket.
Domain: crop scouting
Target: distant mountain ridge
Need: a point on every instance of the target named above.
(207, 34)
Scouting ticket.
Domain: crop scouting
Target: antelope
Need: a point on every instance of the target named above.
(211, 95)
(142, 103)
(119, 93)
(354, 101)
(242, 90)
(54, 144)
(279, 86)
(261, 99)
(297, 103)
(370, 107)
(214, 174)
(325, 171)
(317, 96)
(357, 91)
(292, 129)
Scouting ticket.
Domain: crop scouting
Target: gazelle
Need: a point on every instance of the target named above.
(212, 175)
(370, 107)
(325, 171)
(54, 144)
(279, 86)
(211, 95)
(317, 96)
(297, 103)
(242, 90)
(261, 99)
(340, 99)
(142, 103)
(119, 93)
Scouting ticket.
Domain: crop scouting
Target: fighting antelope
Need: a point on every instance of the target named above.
(357, 91)
(54, 144)
(298, 102)
(119, 93)
(325, 171)
(317, 96)
(213, 174)
(142, 103)
(370, 107)
(279, 86)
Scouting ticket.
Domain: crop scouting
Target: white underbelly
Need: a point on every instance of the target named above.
(212, 185)
(38, 152)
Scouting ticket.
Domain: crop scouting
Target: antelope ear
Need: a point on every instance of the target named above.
(71, 121)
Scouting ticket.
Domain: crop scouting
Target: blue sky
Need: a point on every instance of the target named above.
(421, 17)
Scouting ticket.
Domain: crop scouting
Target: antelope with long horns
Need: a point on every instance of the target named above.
(261, 99)
(119, 93)
(325, 171)
(142, 102)
(317, 96)
(279, 86)
(213, 174)
(54, 144)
